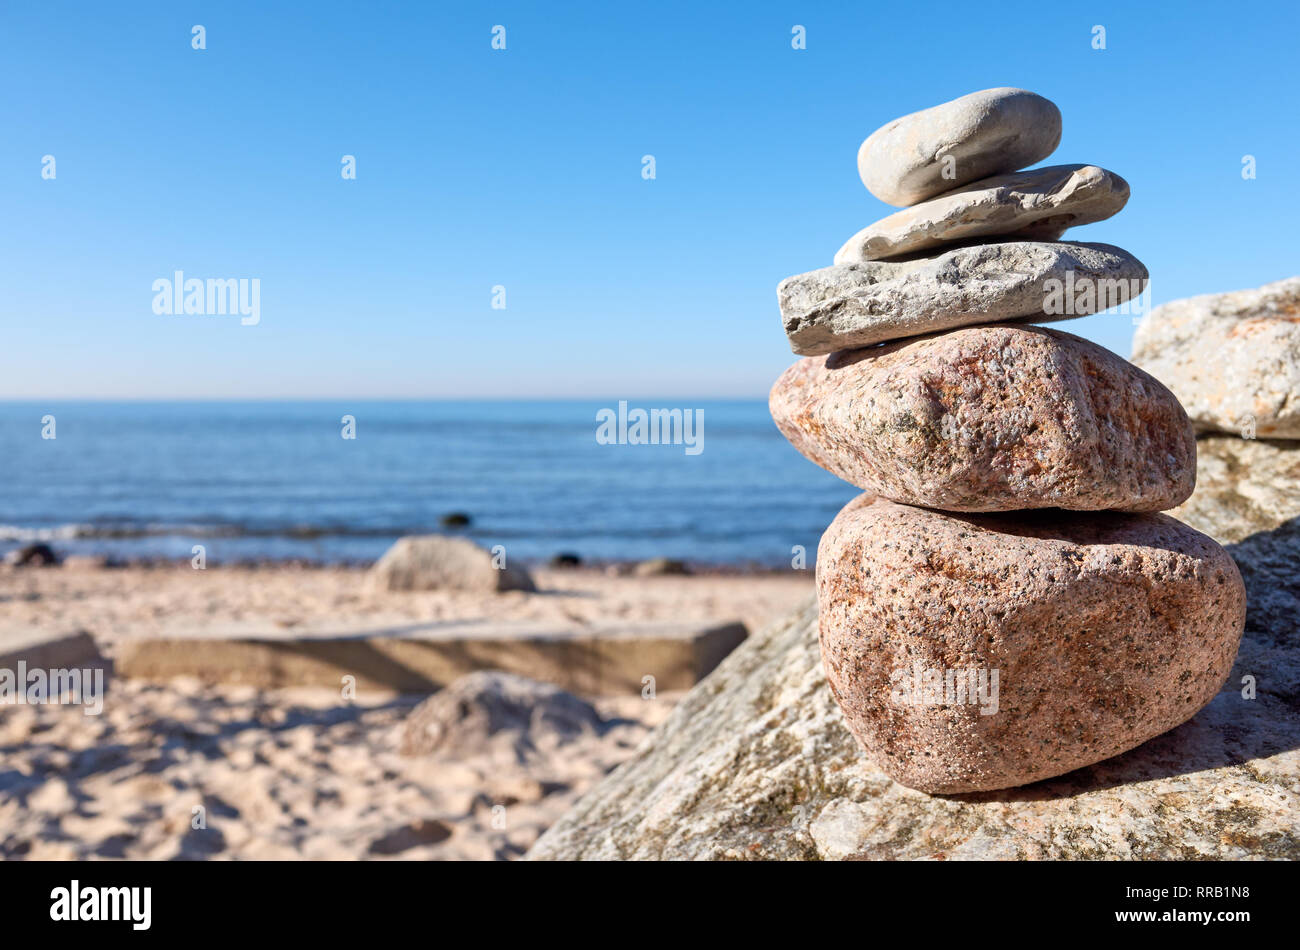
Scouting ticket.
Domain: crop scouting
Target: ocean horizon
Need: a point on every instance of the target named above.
(339, 480)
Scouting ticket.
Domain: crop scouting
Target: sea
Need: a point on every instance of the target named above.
(282, 480)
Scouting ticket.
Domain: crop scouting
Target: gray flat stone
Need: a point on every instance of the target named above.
(852, 305)
(1036, 205)
(946, 146)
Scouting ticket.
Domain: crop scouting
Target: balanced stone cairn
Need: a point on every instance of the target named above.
(1004, 603)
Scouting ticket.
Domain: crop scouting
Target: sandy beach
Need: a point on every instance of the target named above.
(147, 601)
(186, 770)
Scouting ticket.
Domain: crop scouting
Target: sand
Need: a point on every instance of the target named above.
(148, 601)
(282, 774)
(305, 773)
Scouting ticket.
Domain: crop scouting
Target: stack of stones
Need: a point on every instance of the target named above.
(1004, 603)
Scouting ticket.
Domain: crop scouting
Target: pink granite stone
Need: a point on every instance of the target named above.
(991, 418)
(1093, 633)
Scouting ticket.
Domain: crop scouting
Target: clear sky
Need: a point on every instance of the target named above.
(522, 168)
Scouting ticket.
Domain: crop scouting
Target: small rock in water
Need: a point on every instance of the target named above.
(1232, 359)
(566, 559)
(33, 555)
(853, 305)
(992, 418)
(946, 146)
(971, 653)
(455, 519)
(436, 562)
(1037, 205)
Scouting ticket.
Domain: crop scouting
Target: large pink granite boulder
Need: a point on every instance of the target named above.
(978, 652)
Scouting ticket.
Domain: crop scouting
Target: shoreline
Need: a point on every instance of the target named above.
(615, 566)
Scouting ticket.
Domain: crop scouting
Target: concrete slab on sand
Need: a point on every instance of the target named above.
(592, 661)
(48, 651)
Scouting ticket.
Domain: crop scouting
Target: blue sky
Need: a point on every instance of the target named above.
(522, 168)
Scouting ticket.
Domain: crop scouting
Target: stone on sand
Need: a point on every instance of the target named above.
(87, 562)
(1036, 205)
(661, 567)
(991, 418)
(946, 146)
(853, 305)
(1073, 637)
(1232, 359)
(437, 562)
(487, 707)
